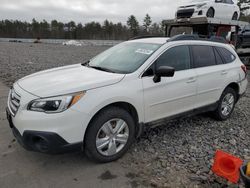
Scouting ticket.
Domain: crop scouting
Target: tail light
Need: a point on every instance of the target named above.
(244, 68)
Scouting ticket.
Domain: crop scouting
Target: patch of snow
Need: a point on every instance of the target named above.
(72, 43)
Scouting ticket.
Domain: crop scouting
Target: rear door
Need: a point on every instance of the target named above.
(210, 74)
(172, 95)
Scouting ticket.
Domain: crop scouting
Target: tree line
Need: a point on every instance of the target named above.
(71, 30)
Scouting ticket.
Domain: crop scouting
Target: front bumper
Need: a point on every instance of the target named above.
(191, 12)
(45, 142)
(185, 13)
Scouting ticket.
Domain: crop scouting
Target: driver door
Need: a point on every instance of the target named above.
(229, 9)
(172, 95)
(219, 9)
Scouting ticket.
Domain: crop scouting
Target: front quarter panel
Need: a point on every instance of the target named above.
(129, 90)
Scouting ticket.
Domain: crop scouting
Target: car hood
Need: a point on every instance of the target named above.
(192, 4)
(65, 80)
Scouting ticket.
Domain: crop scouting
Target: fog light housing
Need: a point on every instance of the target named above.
(41, 144)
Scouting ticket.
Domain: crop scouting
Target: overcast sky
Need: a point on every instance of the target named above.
(87, 10)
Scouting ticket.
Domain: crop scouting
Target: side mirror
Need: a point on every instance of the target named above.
(163, 71)
(218, 1)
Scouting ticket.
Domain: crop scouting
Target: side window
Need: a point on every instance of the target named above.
(227, 55)
(203, 56)
(226, 1)
(218, 58)
(229, 2)
(177, 57)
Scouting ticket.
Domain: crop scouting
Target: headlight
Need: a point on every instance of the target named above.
(55, 104)
(201, 5)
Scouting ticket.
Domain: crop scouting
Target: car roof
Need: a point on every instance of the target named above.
(164, 40)
(153, 40)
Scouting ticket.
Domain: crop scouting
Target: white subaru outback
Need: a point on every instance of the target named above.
(102, 105)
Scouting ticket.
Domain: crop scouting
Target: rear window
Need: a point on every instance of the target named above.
(203, 56)
(226, 55)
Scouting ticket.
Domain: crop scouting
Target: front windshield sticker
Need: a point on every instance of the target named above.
(144, 51)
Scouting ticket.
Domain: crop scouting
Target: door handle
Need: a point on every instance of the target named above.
(191, 80)
(223, 72)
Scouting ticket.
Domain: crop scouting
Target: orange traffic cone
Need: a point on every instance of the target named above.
(227, 166)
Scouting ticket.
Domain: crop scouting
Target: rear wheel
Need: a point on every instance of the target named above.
(235, 16)
(226, 104)
(110, 135)
(210, 13)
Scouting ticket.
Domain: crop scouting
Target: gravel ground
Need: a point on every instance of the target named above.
(20, 59)
(177, 154)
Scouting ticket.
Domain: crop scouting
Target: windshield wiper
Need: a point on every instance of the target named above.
(86, 63)
(102, 69)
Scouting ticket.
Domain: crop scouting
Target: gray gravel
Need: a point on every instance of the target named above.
(20, 59)
(177, 154)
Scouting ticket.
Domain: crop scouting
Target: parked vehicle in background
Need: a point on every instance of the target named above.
(222, 9)
(244, 37)
(102, 105)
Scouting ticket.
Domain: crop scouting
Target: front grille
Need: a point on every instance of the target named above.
(187, 13)
(188, 6)
(13, 102)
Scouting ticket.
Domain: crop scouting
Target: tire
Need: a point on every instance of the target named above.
(210, 13)
(235, 16)
(221, 113)
(102, 128)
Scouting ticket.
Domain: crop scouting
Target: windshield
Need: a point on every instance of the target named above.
(124, 58)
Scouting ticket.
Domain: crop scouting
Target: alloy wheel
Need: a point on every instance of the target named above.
(227, 104)
(112, 137)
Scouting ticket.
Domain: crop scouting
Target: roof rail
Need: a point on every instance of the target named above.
(198, 37)
(183, 37)
(146, 36)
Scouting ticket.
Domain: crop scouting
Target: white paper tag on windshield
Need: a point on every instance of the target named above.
(144, 51)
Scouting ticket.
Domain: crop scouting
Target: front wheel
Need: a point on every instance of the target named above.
(226, 104)
(109, 135)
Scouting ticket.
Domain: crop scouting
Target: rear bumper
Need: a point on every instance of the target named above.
(243, 86)
(44, 142)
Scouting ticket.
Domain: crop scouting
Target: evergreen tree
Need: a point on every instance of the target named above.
(133, 25)
(147, 22)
